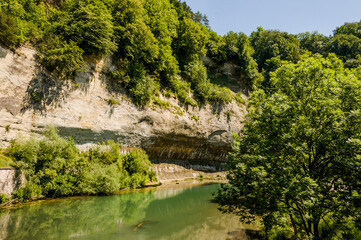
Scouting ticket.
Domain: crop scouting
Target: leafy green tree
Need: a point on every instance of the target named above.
(163, 21)
(297, 162)
(236, 48)
(196, 73)
(61, 58)
(88, 23)
(345, 46)
(269, 44)
(191, 41)
(21, 21)
(215, 48)
(354, 62)
(313, 42)
(248, 65)
(134, 37)
(230, 46)
(9, 30)
(349, 29)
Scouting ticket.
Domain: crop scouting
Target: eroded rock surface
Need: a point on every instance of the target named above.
(30, 99)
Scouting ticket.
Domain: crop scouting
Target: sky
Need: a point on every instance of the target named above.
(292, 16)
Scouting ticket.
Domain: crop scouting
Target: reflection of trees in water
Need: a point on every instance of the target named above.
(190, 215)
(166, 213)
(133, 206)
(215, 228)
(74, 218)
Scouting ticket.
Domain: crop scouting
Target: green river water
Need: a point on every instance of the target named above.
(183, 211)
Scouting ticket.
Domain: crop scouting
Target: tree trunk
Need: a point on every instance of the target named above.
(315, 231)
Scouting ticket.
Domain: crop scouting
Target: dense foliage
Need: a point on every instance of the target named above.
(150, 41)
(54, 167)
(153, 43)
(297, 163)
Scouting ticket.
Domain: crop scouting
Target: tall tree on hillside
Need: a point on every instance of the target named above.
(314, 42)
(268, 44)
(89, 24)
(134, 37)
(345, 46)
(349, 28)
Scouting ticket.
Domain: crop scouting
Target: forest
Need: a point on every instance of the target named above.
(158, 45)
(295, 166)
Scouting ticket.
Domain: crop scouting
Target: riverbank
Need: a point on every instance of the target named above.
(170, 176)
(166, 184)
(170, 211)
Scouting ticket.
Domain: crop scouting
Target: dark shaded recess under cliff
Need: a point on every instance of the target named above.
(170, 148)
(187, 151)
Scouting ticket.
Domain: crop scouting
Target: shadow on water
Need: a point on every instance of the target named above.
(176, 213)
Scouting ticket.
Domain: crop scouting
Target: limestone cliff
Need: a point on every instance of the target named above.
(31, 99)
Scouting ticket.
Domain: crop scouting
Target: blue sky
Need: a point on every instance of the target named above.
(293, 16)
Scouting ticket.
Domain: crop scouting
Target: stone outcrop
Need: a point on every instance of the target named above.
(31, 99)
(10, 180)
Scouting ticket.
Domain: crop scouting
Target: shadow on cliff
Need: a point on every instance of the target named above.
(117, 91)
(43, 91)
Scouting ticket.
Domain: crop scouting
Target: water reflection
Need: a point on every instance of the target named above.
(176, 213)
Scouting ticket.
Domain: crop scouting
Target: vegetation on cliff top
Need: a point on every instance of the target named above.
(154, 42)
(151, 42)
(54, 167)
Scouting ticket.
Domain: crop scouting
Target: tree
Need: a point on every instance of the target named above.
(349, 28)
(134, 38)
(313, 42)
(9, 31)
(61, 58)
(269, 44)
(345, 46)
(247, 64)
(163, 21)
(191, 41)
(89, 25)
(297, 162)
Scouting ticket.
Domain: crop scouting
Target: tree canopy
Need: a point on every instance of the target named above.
(152, 43)
(297, 162)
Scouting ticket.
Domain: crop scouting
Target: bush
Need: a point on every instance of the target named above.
(136, 166)
(140, 85)
(182, 91)
(27, 193)
(196, 73)
(100, 179)
(3, 198)
(239, 99)
(144, 89)
(54, 167)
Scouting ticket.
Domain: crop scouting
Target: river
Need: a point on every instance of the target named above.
(176, 211)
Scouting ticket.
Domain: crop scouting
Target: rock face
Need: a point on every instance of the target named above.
(10, 180)
(30, 99)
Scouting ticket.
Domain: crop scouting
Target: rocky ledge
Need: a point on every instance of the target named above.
(31, 99)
